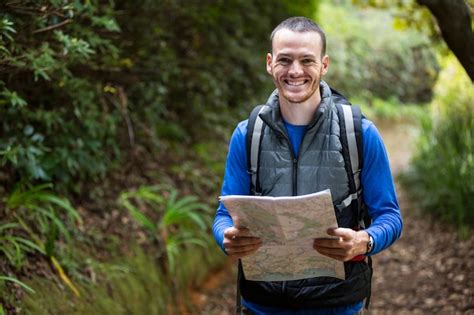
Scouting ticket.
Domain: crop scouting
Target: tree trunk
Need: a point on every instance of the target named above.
(454, 21)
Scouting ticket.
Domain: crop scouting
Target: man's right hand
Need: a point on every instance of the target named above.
(239, 243)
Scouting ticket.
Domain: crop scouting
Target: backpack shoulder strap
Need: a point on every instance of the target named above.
(254, 137)
(253, 140)
(350, 123)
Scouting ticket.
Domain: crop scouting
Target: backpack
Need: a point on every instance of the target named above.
(350, 124)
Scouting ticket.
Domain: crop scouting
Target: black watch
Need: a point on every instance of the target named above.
(370, 244)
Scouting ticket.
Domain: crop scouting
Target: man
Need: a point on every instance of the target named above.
(302, 154)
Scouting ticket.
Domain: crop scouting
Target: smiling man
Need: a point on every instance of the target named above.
(302, 148)
(297, 64)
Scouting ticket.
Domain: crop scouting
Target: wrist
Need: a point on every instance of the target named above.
(365, 242)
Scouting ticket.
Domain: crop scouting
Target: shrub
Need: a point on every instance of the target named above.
(55, 121)
(83, 81)
(176, 224)
(442, 173)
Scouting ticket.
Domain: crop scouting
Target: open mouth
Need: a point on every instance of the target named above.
(295, 82)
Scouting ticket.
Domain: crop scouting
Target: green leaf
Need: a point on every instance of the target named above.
(21, 284)
(61, 202)
(106, 22)
(29, 244)
(8, 226)
(49, 213)
(138, 216)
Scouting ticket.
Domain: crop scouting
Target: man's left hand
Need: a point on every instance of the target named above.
(349, 244)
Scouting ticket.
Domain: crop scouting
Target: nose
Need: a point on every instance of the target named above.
(295, 68)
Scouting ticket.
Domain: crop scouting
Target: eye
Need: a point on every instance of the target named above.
(284, 61)
(307, 61)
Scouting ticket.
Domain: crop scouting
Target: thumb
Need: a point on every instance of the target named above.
(344, 233)
(233, 232)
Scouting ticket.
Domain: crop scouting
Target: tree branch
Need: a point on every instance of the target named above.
(51, 27)
(454, 21)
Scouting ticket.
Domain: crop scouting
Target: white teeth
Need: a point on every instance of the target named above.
(295, 83)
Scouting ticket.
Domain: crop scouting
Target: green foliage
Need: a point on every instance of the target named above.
(14, 246)
(41, 220)
(16, 281)
(391, 110)
(369, 59)
(201, 168)
(407, 13)
(54, 123)
(442, 175)
(132, 284)
(81, 81)
(177, 222)
(135, 285)
(38, 212)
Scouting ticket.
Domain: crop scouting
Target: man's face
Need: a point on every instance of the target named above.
(296, 64)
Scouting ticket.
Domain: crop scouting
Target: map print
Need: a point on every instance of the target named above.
(287, 227)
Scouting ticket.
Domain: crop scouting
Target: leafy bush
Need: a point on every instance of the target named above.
(442, 176)
(176, 223)
(135, 285)
(55, 121)
(38, 212)
(14, 246)
(392, 110)
(83, 81)
(40, 220)
(370, 59)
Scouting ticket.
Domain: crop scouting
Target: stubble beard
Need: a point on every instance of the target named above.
(297, 100)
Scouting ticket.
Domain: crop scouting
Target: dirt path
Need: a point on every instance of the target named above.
(428, 271)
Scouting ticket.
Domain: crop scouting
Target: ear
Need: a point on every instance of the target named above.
(325, 65)
(269, 63)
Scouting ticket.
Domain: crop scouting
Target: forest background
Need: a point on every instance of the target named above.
(115, 118)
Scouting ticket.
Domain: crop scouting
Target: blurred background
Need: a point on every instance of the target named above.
(115, 120)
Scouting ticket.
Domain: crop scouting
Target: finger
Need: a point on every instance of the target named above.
(239, 254)
(328, 243)
(234, 232)
(242, 249)
(346, 234)
(241, 242)
(331, 251)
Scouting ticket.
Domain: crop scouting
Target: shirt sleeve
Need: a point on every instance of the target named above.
(236, 180)
(378, 190)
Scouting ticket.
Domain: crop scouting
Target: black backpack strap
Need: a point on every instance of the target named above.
(238, 298)
(367, 299)
(255, 130)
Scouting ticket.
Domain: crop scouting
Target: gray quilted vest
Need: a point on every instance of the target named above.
(319, 166)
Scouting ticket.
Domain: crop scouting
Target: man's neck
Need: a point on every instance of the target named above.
(300, 113)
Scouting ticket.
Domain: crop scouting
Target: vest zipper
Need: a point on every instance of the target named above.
(294, 163)
(295, 171)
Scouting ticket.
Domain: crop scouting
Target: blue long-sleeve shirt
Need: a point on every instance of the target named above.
(378, 192)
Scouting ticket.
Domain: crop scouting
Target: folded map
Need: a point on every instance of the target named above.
(287, 227)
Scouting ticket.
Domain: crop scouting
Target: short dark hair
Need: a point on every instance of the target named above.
(300, 24)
